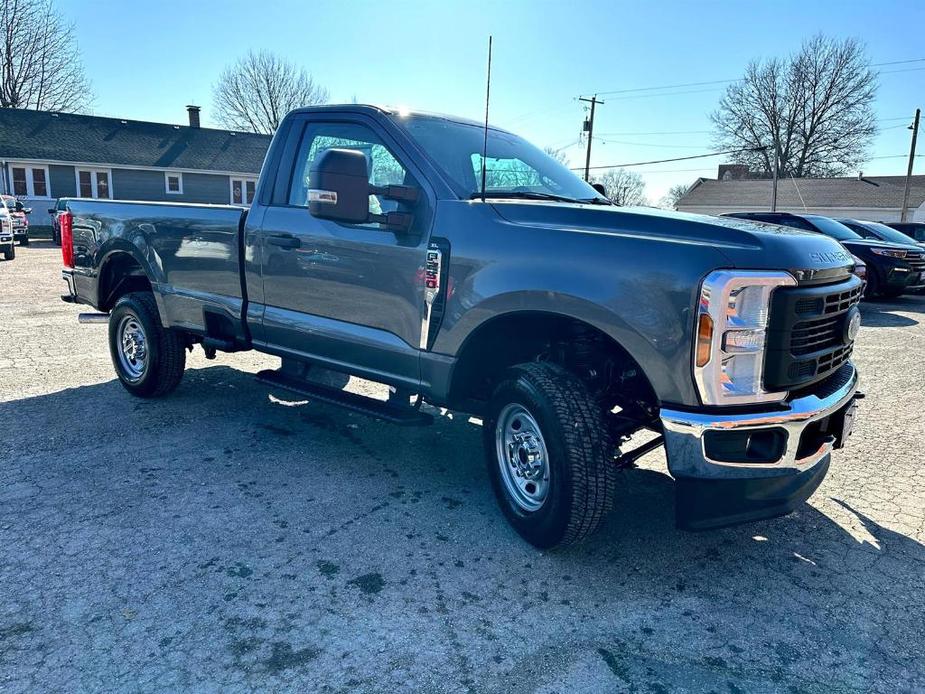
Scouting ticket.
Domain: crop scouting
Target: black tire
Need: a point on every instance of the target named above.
(873, 287)
(581, 472)
(164, 349)
(9, 253)
(24, 241)
(892, 293)
(56, 237)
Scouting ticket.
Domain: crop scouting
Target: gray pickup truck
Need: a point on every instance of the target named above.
(566, 323)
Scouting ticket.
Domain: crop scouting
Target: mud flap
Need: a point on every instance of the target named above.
(705, 504)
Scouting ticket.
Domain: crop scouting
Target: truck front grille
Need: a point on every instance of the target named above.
(807, 333)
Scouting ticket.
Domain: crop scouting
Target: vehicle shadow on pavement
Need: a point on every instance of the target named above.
(232, 535)
(886, 314)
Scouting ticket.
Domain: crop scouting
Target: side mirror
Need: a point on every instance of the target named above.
(599, 187)
(338, 187)
(27, 210)
(51, 211)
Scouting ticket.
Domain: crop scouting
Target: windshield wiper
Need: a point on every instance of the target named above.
(597, 201)
(524, 195)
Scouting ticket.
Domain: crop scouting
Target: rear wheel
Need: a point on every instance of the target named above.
(549, 454)
(149, 359)
(892, 293)
(24, 241)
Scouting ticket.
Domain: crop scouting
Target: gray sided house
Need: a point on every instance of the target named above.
(45, 156)
(875, 198)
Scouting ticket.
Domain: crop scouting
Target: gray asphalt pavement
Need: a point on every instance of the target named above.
(230, 539)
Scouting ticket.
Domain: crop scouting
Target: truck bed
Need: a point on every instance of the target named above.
(191, 253)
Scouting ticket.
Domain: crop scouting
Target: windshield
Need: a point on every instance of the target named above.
(513, 165)
(886, 233)
(836, 230)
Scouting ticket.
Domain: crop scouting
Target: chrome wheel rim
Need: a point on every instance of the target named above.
(133, 348)
(522, 457)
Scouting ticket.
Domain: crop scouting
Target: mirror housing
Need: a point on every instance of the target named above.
(599, 187)
(51, 211)
(338, 186)
(27, 210)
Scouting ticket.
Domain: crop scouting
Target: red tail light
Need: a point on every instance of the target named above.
(66, 223)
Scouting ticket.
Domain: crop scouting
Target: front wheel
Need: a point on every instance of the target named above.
(149, 359)
(24, 241)
(9, 253)
(549, 454)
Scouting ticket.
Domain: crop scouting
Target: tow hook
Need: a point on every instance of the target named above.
(92, 317)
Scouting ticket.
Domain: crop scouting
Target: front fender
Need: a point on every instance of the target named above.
(650, 316)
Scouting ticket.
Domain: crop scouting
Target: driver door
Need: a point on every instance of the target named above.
(347, 295)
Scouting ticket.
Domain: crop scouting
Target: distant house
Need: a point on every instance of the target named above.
(862, 197)
(44, 156)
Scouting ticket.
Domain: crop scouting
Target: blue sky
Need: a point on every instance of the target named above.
(147, 60)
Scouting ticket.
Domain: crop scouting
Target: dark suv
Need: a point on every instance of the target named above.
(914, 230)
(892, 268)
(879, 230)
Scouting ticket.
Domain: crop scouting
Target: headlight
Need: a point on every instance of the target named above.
(889, 252)
(732, 320)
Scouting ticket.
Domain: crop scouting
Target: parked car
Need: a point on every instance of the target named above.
(55, 213)
(914, 230)
(860, 270)
(892, 268)
(879, 230)
(18, 217)
(564, 322)
(6, 234)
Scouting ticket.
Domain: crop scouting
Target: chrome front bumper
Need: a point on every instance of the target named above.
(685, 433)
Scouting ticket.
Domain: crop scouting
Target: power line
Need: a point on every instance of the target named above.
(644, 144)
(667, 86)
(661, 132)
(663, 161)
(729, 81)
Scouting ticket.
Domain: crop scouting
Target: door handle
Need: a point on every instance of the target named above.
(284, 241)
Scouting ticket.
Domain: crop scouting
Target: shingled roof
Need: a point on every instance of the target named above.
(866, 192)
(68, 137)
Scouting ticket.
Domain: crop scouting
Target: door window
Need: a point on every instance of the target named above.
(93, 183)
(383, 167)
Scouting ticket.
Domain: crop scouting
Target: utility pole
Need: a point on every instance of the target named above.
(915, 131)
(590, 123)
(776, 177)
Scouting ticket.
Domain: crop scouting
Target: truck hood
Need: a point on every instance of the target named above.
(745, 243)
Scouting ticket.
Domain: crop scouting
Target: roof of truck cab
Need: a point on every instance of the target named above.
(399, 111)
(73, 138)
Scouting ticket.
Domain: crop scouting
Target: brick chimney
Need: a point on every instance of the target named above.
(193, 112)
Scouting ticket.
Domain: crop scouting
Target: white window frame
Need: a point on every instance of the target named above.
(179, 176)
(243, 180)
(93, 181)
(30, 181)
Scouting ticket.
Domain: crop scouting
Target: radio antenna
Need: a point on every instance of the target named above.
(487, 97)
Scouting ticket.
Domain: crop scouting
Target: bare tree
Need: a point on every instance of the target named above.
(41, 67)
(558, 154)
(623, 187)
(670, 199)
(259, 89)
(815, 108)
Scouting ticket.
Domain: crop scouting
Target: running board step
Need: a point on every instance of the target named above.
(351, 401)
